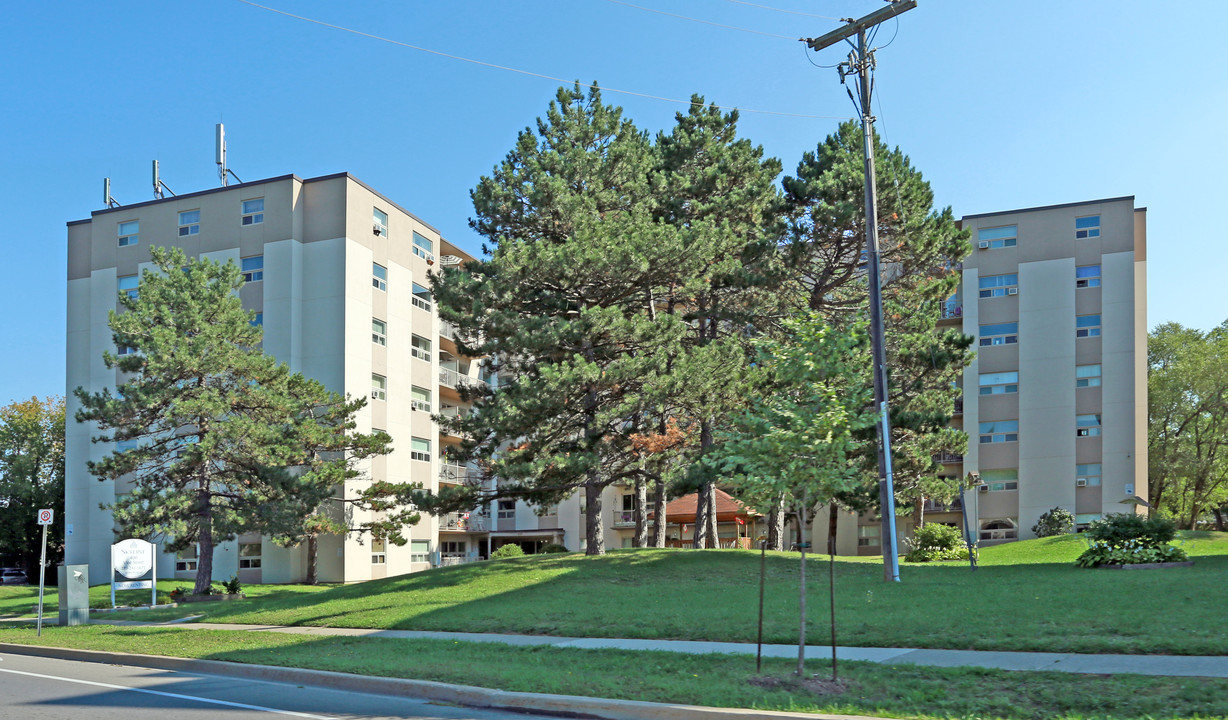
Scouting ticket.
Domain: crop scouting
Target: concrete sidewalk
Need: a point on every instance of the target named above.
(1215, 666)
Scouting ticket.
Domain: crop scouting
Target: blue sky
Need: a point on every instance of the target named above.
(1000, 104)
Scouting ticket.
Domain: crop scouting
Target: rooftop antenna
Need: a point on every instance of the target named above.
(220, 156)
(159, 186)
(106, 194)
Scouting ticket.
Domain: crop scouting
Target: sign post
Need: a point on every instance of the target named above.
(44, 518)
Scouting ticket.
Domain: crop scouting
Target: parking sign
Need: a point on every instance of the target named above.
(45, 516)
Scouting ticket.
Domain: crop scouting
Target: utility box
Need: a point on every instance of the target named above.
(74, 595)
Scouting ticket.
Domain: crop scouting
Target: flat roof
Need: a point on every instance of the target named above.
(279, 178)
(1052, 207)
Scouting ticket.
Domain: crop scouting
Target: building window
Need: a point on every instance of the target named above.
(452, 547)
(249, 556)
(189, 223)
(999, 431)
(1087, 425)
(999, 480)
(380, 218)
(258, 320)
(868, 535)
(129, 233)
(128, 285)
(253, 268)
(379, 551)
(379, 332)
(1087, 227)
(1082, 520)
(1087, 475)
(1087, 276)
(1000, 334)
(1087, 326)
(185, 560)
(379, 277)
(420, 348)
(995, 238)
(1001, 383)
(423, 247)
(1087, 376)
(999, 285)
(1002, 529)
(379, 387)
(420, 449)
(422, 297)
(420, 398)
(419, 551)
(253, 211)
(125, 350)
(506, 509)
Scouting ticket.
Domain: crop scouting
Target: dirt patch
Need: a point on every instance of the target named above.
(814, 684)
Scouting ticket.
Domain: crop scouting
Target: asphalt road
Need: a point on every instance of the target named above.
(33, 688)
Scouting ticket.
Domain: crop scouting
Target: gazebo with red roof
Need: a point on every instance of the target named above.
(738, 522)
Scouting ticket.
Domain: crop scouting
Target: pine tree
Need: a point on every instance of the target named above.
(215, 437)
(921, 251)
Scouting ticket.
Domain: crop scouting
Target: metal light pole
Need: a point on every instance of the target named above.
(861, 62)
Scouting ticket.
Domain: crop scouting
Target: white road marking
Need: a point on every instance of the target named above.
(177, 696)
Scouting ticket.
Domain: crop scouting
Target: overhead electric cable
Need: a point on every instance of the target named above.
(705, 22)
(791, 12)
(529, 72)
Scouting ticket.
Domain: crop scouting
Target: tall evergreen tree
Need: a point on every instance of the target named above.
(921, 253)
(31, 478)
(216, 437)
(571, 248)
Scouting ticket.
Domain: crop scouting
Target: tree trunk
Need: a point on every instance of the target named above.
(204, 557)
(640, 511)
(920, 507)
(312, 549)
(701, 516)
(833, 517)
(712, 537)
(659, 519)
(1218, 512)
(592, 517)
(776, 526)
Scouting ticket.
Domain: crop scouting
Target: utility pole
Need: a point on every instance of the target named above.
(861, 63)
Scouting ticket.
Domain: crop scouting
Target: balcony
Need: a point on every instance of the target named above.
(446, 559)
(462, 522)
(453, 412)
(447, 330)
(454, 474)
(624, 519)
(450, 378)
(959, 406)
(946, 457)
(952, 310)
(936, 506)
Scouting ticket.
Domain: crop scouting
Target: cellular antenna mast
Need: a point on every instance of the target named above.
(159, 186)
(220, 157)
(106, 194)
(861, 63)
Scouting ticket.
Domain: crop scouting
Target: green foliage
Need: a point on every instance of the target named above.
(31, 478)
(232, 586)
(217, 437)
(1058, 521)
(1187, 431)
(933, 541)
(554, 548)
(1128, 539)
(507, 551)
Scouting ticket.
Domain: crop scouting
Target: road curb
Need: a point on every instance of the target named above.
(563, 705)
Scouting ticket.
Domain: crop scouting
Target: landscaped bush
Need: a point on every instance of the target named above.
(936, 542)
(506, 551)
(1129, 539)
(232, 586)
(1058, 521)
(554, 548)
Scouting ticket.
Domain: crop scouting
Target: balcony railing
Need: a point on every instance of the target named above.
(951, 310)
(458, 521)
(946, 457)
(936, 506)
(624, 518)
(959, 406)
(446, 559)
(450, 377)
(447, 329)
(454, 411)
(455, 474)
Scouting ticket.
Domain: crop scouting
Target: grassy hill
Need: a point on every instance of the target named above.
(1025, 596)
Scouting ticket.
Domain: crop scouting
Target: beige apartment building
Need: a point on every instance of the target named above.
(337, 274)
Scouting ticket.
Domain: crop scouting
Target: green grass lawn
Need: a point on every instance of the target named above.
(714, 680)
(1025, 596)
(17, 601)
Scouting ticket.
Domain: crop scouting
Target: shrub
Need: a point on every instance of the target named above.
(1129, 539)
(936, 542)
(507, 551)
(178, 593)
(554, 548)
(232, 586)
(1058, 521)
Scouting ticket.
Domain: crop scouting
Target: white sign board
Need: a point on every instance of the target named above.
(133, 585)
(132, 558)
(45, 516)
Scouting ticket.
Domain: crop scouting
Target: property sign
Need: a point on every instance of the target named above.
(46, 516)
(133, 559)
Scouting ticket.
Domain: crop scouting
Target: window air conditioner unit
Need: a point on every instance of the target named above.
(377, 229)
(374, 395)
(1081, 482)
(1012, 291)
(983, 488)
(984, 245)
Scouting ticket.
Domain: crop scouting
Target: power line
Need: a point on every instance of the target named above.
(791, 12)
(705, 22)
(527, 72)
